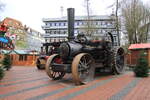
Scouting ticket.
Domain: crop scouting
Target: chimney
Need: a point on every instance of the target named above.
(70, 12)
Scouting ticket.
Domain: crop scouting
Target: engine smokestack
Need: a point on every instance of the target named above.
(70, 12)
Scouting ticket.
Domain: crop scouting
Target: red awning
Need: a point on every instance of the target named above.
(139, 46)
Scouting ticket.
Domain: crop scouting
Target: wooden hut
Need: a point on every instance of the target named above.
(21, 57)
(134, 54)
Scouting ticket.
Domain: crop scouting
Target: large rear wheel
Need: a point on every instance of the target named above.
(118, 61)
(82, 69)
(55, 58)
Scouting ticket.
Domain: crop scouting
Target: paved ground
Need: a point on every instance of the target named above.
(28, 83)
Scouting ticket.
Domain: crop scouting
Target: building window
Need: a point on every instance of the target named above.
(110, 23)
(80, 23)
(64, 24)
(50, 24)
(115, 44)
(77, 23)
(96, 23)
(115, 38)
(59, 24)
(22, 57)
(59, 32)
(101, 22)
(64, 32)
(46, 40)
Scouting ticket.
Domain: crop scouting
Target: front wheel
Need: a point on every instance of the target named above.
(82, 69)
(55, 58)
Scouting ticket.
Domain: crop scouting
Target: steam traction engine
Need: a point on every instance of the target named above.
(46, 50)
(82, 55)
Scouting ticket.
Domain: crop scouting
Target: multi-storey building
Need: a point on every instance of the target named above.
(34, 39)
(56, 28)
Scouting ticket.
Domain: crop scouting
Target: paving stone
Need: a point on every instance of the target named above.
(20, 81)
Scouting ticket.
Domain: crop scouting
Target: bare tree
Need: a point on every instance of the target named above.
(136, 19)
(117, 6)
(89, 25)
(117, 21)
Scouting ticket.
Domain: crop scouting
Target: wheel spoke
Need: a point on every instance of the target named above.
(53, 74)
(84, 60)
(89, 62)
(59, 73)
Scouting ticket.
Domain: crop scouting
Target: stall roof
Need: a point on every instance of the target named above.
(17, 52)
(139, 46)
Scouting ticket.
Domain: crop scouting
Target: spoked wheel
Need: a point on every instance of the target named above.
(118, 61)
(55, 58)
(82, 69)
(39, 65)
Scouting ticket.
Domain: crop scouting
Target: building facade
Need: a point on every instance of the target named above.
(23, 37)
(34, 39)
(56, 28)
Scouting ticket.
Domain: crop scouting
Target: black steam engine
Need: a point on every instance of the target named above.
(81, 55)
(46, 50)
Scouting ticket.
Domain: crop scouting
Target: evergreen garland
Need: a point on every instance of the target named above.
(7, 62)
(1, 73)
(142, 68)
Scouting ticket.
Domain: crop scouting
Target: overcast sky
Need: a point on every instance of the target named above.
(31, 12)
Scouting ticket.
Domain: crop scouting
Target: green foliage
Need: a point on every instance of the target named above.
(7, 62)
(1, 73)
(142, 69)
(135, 18)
